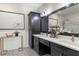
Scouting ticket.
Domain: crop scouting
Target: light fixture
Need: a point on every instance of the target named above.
(66, 4)
(46, 12)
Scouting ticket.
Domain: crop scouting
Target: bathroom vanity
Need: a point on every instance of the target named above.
(61, 46)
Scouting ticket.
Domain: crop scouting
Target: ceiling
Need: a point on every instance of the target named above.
(29, 6)
(20, 7)
(32, 6)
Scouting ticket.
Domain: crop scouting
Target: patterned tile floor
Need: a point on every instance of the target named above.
(26, 52)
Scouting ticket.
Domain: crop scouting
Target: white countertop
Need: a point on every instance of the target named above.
(62, 40)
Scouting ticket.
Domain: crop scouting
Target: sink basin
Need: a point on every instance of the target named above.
(68, 40)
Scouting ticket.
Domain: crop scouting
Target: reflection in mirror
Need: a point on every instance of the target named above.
(54, 23)
(70, 19)
(67, 20)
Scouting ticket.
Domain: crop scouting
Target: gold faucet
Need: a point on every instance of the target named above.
(72, 38)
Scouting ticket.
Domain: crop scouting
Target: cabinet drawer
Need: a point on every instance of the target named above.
(56, 46)
(57, 49)
(44, 42)
(55, 52)
(70, 52)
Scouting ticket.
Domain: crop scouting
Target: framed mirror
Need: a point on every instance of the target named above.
(70, 19)
(11, 20)
(67, 19)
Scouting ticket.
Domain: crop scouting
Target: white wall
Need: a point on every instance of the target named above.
(11, 44)
(24, 8)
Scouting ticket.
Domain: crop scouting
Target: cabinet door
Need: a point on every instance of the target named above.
(44, 24)
(34, 19)
(56, 50)
(45, 42)
(70, 52)
(36, 44)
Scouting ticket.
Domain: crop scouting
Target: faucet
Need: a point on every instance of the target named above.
(72, 39)
(72, 36)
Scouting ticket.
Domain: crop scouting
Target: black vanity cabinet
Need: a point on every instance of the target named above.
(41, 46)
(44, 47)
(70, 52)
(56, 50)
(36, 44)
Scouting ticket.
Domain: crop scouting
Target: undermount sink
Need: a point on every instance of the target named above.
(67, 39)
